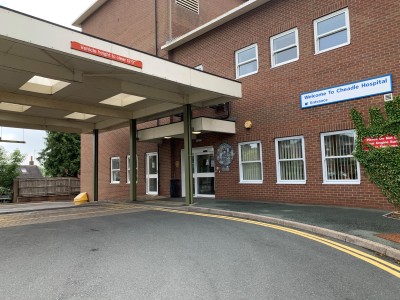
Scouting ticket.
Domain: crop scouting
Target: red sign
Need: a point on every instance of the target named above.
(105, 54)
(381, 142)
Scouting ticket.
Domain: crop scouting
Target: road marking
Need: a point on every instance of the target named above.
(36, 217)
(377, 262)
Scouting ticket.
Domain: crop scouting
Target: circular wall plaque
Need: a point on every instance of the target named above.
(225, 154)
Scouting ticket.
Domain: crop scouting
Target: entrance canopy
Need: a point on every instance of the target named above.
(54, 78)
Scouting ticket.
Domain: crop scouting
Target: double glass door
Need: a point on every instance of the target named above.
(203, 173)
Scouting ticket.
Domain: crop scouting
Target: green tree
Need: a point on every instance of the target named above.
(61, 156)
(9, 167)
(382, 165)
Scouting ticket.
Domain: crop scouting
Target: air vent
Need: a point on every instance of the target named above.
(388, 97)
(192, 5)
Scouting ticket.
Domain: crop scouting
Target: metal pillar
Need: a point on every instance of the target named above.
(187, 121)
(133, 144)
(95, 165)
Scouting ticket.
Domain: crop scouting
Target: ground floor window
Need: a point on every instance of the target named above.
(250, 165)
(115, 169)
(290, 161)
(339, 164)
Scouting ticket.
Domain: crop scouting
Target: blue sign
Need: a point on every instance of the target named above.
(349, 91)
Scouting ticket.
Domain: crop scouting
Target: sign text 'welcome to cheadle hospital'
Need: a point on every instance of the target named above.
(349, 91)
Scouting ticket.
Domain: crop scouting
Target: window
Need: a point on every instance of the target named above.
(284, 48)
(115, 169)
(339, 164)
(128, 169)
(192, 5)
(332, 31)
(250, 166)
(199, 67)
(290, 161)
(246, 61)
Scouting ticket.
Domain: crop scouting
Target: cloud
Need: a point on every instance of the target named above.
(63, 12)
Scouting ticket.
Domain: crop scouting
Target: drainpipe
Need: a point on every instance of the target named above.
(156, 27)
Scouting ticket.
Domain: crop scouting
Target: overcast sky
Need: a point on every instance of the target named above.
(63, 12)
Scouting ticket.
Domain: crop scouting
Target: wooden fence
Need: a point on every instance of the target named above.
(42, 187)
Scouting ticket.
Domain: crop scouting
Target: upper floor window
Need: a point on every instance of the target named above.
(339, 164)
(284, 48)
(115, 168)
(250, 162)
(192, 5)
(290, 161)
(332, 31)
(246, 61)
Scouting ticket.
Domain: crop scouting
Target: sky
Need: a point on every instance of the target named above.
(63, 12)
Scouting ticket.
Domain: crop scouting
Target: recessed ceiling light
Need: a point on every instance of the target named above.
(43, 85)
(122, 100)
(196, 132)
(167, 137)
(13, 107)
(79, 116)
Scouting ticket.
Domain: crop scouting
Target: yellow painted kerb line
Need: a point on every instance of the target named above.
(377, 262)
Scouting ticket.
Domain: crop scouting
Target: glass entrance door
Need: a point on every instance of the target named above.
(152, 173)
(203, 172)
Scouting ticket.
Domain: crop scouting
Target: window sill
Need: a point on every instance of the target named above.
(342, 182)
(291, 182)
(250, 182)
(247, 75)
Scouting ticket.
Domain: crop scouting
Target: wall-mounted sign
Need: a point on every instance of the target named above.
(381, 142)
(225, 155)
(349, 91)
(105, 54)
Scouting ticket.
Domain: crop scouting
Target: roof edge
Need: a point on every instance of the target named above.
(95, 6)
(214, 23)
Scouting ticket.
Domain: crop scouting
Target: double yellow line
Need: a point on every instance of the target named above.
(377, 262)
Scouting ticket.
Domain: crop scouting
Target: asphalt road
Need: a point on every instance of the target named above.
(164, 255)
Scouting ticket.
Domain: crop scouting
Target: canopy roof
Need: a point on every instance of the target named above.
(55, 78)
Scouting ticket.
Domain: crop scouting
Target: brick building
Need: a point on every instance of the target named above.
(303, 65)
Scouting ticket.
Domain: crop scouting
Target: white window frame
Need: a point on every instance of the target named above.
(278, 167)
(247, 61)
(324, 168)
(151, 176)
(112, 170)
(347, 27)
(241, 168)
(296, 44)
(128, 180)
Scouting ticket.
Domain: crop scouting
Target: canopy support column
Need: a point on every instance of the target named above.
(132, 165)
(95, 165)
(187, 123)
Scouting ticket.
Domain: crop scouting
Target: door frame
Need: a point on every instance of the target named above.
(151, 176)
(195, 152)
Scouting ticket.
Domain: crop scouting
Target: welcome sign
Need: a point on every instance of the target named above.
(349, 91)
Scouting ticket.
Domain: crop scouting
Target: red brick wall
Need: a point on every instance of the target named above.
(271, 97)
(132, 22)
